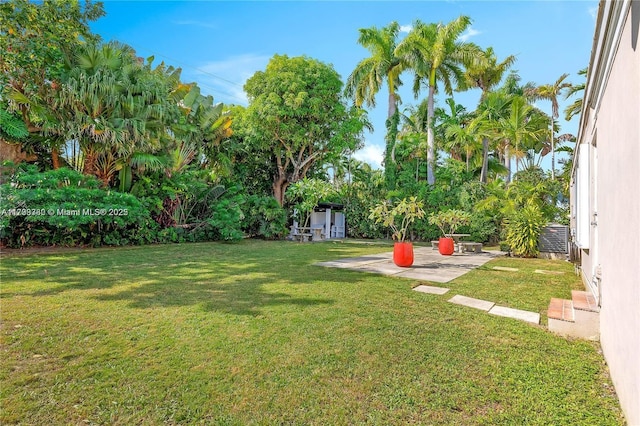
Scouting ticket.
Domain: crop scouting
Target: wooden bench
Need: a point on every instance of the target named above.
(470, 246)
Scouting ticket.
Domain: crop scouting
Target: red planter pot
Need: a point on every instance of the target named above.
(403, 254)
(446, 246)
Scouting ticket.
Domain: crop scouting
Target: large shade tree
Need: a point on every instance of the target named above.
(370, 74)
(297, 113)
(35, 37)
(436, 54)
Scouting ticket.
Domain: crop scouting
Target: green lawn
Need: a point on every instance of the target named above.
(251, 333)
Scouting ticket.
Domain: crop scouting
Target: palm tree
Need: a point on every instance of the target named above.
(366, 80)
(576, 107)
(493, 107)
(485, 75)
(551, 92)
(456, 117)
(434, 53)
(523, 128)
(463, 138)
(113, 107)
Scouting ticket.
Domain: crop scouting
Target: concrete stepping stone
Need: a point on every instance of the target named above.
(505, 268)
(470, 302)
(532, 317)
(542, 271)
(430, 289)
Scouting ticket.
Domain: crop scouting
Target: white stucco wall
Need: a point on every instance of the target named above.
(617, 133)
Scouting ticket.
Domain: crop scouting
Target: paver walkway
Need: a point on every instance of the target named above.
(428, 264)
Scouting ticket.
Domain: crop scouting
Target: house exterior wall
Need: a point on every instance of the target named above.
(610, 129)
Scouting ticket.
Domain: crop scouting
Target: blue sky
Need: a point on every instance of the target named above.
(219, 44)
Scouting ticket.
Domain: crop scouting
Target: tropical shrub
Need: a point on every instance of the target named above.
(357, 204)
(398, 216)
(483, 225)
(226, 218)
(263, 217)
(481, 228)
(448, 221)
(522, 230)
(198, 209)
(63, 207)
(306, 194)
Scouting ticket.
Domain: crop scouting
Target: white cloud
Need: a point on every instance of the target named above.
(224, 79)
(593, 12)
(469, 33)
(406, 28)
(371, 154)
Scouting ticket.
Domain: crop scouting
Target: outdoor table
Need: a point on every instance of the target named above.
(457, 238)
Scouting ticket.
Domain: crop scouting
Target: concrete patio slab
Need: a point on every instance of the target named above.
(438, 276)
(430, 289)
(504, 268)
(384, 267)
(532, 317)
(470, 302)
(542, 271)
(428, 265)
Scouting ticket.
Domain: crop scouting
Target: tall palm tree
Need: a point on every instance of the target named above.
(485, 75)
(523, 128)
(366, 80)
(463, 138)
(456, 116)
(551, 92)
(576, 107)
(435, 54)
(493, 107)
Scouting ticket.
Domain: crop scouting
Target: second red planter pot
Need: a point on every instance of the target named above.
(446, 246)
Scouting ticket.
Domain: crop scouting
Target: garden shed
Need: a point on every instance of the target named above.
(330, 217)
(327, 221)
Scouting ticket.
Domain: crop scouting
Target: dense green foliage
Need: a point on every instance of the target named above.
(264, 217)
(63, 207)
(522, 230)
(398, 216)
(448, 221)
(190, 169)
(306, 95)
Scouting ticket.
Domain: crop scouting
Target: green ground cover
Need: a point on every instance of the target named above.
(252, 333)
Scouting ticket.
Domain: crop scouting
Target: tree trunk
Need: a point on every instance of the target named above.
(390, 141)
(485, 160)
(507, 163)
(90, 161)
(280, 185)
(431, 143)
(55, 157)
(392, 105)
(553, 154)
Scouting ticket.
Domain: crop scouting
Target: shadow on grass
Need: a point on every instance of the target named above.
(238, 279)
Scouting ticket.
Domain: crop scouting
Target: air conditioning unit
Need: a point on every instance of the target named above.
(554, 239)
